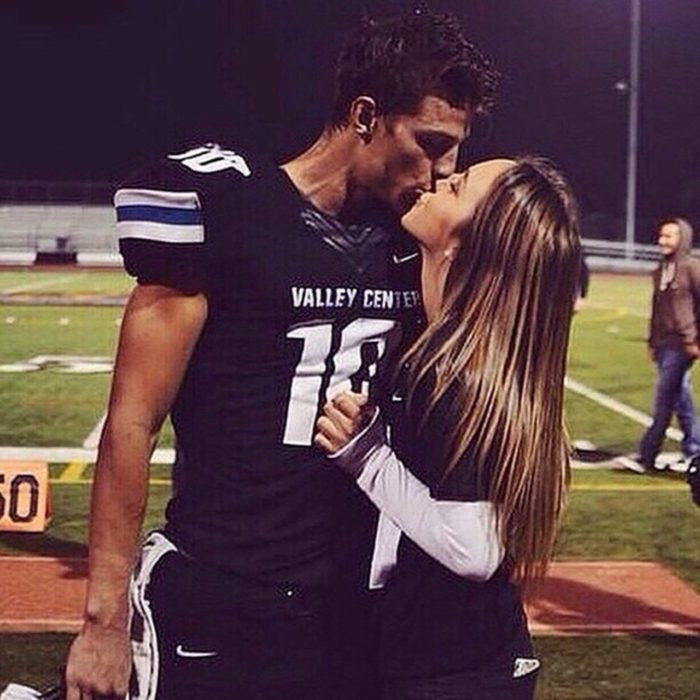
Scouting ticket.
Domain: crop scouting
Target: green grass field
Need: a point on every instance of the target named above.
(597, 668)
(612, 514)
(607, 353)
(64, 282)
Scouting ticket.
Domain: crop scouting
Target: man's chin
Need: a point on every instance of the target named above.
(405, 202)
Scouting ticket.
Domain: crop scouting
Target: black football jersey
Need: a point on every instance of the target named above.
(300, 307)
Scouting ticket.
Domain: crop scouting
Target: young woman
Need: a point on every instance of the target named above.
(472, 488)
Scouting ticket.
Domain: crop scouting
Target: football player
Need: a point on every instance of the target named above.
(263, 289)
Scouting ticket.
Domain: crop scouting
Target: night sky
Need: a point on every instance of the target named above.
(92, 89)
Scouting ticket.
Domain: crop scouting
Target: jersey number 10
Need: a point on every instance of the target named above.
(324, 371)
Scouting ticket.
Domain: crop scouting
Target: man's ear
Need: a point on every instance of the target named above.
(363, 117)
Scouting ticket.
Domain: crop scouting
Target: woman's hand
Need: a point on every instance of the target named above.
(344, 416)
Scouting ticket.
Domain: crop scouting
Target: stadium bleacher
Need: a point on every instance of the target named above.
(57, 233)
(60, 223)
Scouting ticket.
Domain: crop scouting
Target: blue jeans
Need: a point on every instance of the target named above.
(672, 395)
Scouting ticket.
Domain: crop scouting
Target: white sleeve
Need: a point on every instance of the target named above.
(460, 535)
(14, 691)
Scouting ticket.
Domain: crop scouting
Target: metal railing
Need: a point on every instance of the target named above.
(88, 229)
(620, 249)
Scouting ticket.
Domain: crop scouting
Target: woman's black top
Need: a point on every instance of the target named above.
(432, 621)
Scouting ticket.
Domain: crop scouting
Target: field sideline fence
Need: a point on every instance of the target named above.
(85, 233)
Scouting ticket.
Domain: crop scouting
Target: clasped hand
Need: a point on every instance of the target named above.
(344, 416)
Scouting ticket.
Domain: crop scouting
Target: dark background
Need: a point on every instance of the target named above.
(92, 89)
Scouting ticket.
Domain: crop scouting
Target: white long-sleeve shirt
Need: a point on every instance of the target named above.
(461, 535)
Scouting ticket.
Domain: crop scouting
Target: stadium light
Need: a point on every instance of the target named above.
(633, 127)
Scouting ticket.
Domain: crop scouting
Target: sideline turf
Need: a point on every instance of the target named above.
(47, 408)
(573, 668)
(600, 524)
(64, 281)
(607, 353)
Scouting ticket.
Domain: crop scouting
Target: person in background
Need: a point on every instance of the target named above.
(262, 287)
(584, 278)
(471, 485)
(673, 340)
(693, 478)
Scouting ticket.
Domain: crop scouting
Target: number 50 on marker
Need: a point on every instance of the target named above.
(24, 496)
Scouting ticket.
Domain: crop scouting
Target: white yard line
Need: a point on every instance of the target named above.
(92, 440)
(622, 310)
(542, 629)
(617, 406)
(88, 452)
(33, 286)
(71, 454)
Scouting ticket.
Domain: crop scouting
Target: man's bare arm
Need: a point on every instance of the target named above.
(159, 330)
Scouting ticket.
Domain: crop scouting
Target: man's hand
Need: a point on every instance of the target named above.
(343, 417)
(692, 350)
(99, 663)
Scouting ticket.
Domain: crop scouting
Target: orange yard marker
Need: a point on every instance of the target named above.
(25, 501)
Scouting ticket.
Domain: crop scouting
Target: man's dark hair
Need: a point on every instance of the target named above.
(399, 60)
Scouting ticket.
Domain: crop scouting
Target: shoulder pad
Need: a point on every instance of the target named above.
(165, 201)
(211, 158)
(204, 169)
(161, 210)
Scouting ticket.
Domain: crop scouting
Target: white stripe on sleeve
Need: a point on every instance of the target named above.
(166, 233)
(157, 198)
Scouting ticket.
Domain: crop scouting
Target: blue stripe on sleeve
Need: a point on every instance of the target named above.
(159, 215)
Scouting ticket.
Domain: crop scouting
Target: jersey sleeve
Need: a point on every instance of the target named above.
(166, 220)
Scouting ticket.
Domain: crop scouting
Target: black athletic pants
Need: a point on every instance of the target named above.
(211, 636)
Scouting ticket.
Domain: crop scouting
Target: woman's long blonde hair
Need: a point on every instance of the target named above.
(499, 347)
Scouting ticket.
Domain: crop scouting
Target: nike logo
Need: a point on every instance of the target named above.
(191, 654)
(404, 258)
(522, 667)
